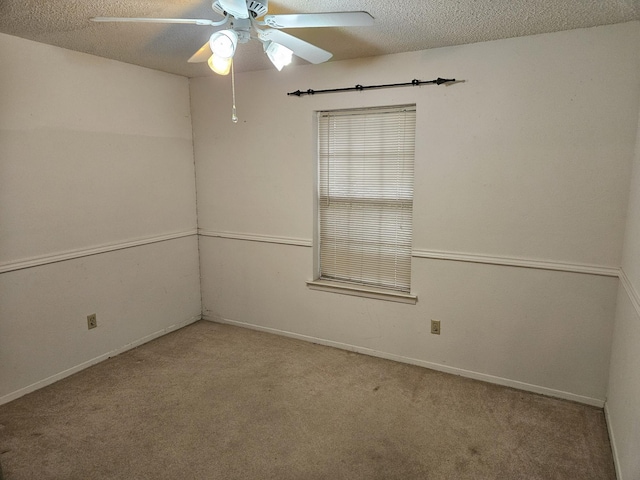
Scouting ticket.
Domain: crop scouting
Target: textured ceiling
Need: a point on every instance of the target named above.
(400, 26)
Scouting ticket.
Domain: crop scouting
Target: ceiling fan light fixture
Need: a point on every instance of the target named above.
(279, 55)
(220, 65)
(223, 43)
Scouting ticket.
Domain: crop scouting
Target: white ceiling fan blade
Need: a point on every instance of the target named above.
(189, 21)
(331, 19)
(201, 55)
(237, 8)
(300, 48)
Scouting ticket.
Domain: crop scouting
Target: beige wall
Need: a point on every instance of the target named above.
(623, 394)
(95, 156)
(525, 163)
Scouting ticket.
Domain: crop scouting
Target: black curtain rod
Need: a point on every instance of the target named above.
(414, 82)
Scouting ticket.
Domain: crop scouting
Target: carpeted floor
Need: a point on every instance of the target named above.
(213, 401)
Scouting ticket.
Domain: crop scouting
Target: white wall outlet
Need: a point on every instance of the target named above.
(92, 321)
(435, 327)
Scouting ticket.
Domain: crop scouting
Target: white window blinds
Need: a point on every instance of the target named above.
(366, 195)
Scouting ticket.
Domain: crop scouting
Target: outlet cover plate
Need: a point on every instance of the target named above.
(435, 327)
(92, 321)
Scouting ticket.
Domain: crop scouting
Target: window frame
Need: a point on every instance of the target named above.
(344, 286)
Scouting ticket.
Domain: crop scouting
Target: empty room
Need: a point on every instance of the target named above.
(320, 240)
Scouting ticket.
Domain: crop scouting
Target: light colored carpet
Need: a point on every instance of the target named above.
(213, 401)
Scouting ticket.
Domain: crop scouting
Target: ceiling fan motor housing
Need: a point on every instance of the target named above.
(257, 9)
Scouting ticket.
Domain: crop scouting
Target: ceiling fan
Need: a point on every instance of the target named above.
(240, 18)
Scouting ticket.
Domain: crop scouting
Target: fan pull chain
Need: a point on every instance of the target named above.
(234, 117)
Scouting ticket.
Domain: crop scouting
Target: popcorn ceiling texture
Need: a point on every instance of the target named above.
(401, 26)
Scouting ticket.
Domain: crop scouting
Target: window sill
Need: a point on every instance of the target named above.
(362, 291)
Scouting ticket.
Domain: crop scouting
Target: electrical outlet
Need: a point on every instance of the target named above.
(92, 321)
(435, 327)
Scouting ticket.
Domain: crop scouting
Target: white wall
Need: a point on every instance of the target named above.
(97, 210)
(525, 164)
(623, 395)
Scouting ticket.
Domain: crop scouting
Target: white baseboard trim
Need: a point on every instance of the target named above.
(422, 363)
(255, 237)
(612, 440)
(518, 262)
(633, 294)
(70, 371)
(86, 252)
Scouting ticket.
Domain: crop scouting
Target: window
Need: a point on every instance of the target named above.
(365, 196)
